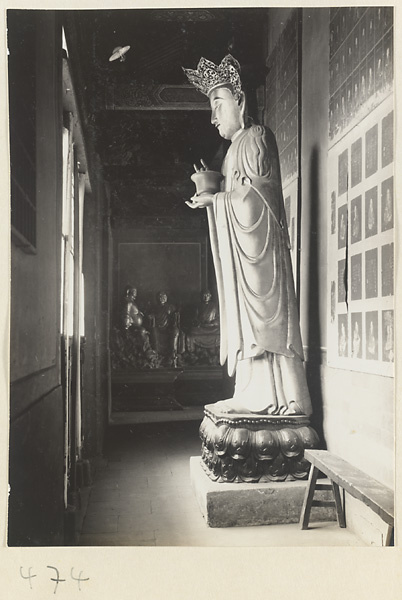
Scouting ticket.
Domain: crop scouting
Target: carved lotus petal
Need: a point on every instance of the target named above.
(221, 439)
(248, 470)
(207, 455)
(266, 444)
(279, 469)
(209, 445)
(215, 465)
(228, 469)
(209, 435)
(239, 443)
(300, 468)
(291, 443)
(208, 468)
(308, 436)
(202, 428)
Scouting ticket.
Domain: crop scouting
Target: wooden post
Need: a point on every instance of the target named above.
(340, 512)
(308, 498)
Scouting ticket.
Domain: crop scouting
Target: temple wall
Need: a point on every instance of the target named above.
(357, 407)
(353, 411)
(37, 515)
(36, 401)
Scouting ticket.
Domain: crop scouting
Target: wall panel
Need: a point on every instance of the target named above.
(36, 506)
(353, 411)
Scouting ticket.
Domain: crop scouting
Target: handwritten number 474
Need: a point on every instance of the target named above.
(56, 578)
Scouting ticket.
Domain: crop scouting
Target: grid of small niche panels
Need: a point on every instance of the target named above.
(282, 97)
(361, 239)
(361, 60)
(360, 160)
(282, 116)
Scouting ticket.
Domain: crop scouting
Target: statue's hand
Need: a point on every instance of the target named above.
(201, 201)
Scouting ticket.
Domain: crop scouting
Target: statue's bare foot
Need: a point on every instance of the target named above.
(232, 406)
(223, 407)
(294, 408)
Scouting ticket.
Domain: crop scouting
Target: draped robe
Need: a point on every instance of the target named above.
(260, 333)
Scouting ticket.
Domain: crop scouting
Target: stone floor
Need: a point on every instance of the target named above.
(142, 496)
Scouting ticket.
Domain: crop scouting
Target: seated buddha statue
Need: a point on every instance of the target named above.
(205, 330)
(130, 345)
(131, 316)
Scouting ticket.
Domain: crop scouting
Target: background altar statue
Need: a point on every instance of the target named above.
(260, 334)
(130, 340)
(166, 337)
(204, 334)
(130, 314)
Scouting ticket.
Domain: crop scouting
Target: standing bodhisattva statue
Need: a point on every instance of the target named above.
(260, 333)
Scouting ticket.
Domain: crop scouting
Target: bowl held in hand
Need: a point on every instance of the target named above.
(207, 182)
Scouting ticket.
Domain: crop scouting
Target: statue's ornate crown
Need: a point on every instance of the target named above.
(208, 75)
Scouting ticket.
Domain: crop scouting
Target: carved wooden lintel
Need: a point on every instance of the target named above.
(139, 96)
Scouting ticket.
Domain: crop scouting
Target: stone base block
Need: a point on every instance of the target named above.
(246, 504)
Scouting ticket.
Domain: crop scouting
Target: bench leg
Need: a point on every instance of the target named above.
(308, 497)
(389, 539)
(340, 512)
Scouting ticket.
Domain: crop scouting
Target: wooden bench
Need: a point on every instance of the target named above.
(356, 483)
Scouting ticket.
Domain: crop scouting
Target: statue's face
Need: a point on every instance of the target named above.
(225, 112)
(162, 298)
(206, 296)
(131, 293)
